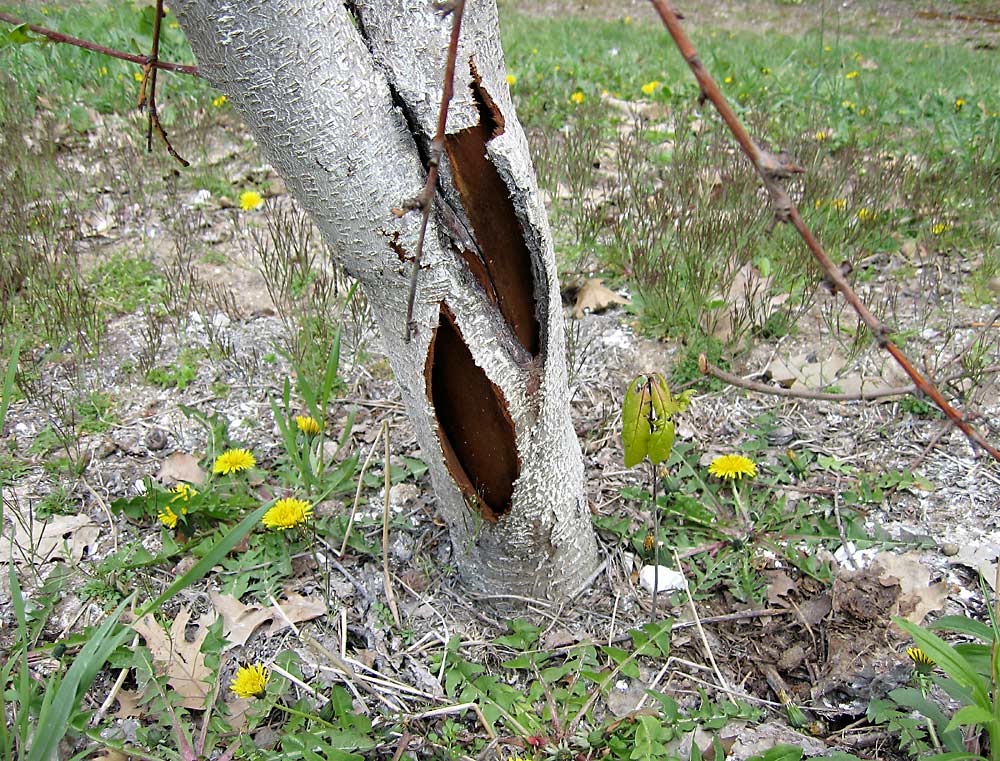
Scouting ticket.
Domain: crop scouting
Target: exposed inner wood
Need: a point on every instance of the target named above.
(487, 202)
(475, 429)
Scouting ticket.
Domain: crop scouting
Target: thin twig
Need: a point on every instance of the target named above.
(461, 707)
(423, 201)
(147, 92)
(357, 496)
(707, 368)
(701, 632)
(180, 68)
(390, 596)
(775, 169)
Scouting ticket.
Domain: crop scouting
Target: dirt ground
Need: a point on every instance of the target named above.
(832, 648)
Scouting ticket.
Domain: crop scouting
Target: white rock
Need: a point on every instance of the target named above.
(668, 579)
(853, 559)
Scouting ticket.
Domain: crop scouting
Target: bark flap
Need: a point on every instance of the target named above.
(475, 428)
(506, 272)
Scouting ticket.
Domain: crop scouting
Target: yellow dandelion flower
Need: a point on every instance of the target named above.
(818, 203)
(733, 466)
(827, 49)
(852, 74)
(728, 80)
(137, 76)
(287, 513)
(863, 111)
(821, 135)
(103, 71)
(250, 200)
(839, 203)
(850, 105)
(511, 80)
(219, 101)
(865, 214)
(940, 228)
(959, 102)
(627, 19)
(308, 425)
(922, 662)
(649, 543)
(250, 681)
(650, 87)
(183, 493)
(233, 461)
(168, 517)
(577, 97)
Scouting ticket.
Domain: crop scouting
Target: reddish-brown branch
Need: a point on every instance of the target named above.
(707, 368)
(55, 36)
(424, 201)
(772, 169)
(147, 92)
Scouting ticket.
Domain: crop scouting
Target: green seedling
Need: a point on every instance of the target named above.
(648, 432)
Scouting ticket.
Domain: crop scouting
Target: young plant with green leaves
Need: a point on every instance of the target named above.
(648, 432)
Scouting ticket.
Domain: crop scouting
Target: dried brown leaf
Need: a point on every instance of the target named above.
(181, 660)
(63, 537)
(595, 297)
(918, 596)
(180, 467)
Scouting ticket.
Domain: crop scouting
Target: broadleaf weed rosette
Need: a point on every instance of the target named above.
(250, 681)
(233, 461)
(287, 513)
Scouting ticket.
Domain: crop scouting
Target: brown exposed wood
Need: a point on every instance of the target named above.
(497, 230)
(475, 429)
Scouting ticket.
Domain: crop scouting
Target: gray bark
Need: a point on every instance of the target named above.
(343, 100)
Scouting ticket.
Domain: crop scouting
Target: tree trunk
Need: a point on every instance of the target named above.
(343, 98)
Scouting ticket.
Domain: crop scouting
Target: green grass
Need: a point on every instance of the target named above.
(71, 79)
(900, 140)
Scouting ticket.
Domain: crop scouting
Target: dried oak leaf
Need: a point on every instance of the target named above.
(181, 660)
(180, 467)
(63, 537)
(239, 621)
(595, 297)
(918, 596)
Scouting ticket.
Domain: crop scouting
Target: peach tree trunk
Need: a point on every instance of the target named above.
(343, 98)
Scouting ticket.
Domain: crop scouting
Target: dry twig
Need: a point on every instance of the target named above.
(426, 197)
(773, 170)
(147, 92)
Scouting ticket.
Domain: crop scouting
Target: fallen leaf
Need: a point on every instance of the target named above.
(240, 621)
(294, 609)
(63, 537)
(183, 661)
(180, 467)
(980, 558)
(595, 297)
(748, 303)
(128, 704)
(780, 584)
(918, 596)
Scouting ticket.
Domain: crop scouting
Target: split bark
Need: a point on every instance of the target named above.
(343, 99)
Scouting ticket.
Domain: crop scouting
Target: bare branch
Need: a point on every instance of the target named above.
(180, 68)
(147, 92)
(772, 169)
(424, 200)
